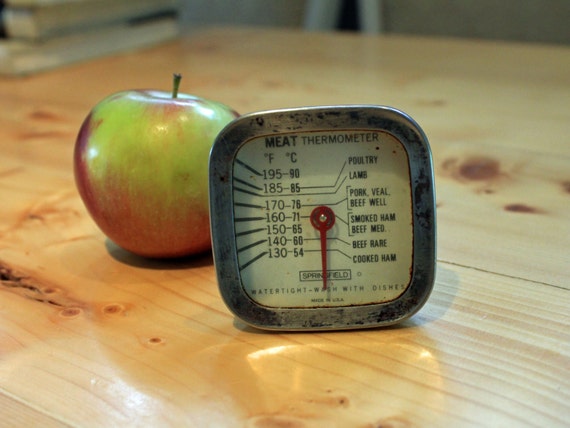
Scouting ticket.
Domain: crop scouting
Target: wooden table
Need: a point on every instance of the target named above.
(92, 336)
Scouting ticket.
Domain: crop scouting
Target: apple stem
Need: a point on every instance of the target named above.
(177, 77)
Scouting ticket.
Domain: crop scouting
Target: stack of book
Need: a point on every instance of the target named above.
(42, 34)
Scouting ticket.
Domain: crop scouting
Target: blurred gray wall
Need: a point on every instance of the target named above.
(200, 13)
(546, 21)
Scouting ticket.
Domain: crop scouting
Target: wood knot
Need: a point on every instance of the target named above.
(46, 115)
(114, 309)
(522, 208)
(70, 312)
(480, 168)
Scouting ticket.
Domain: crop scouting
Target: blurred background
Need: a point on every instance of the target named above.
(545, 21)
(36, 35)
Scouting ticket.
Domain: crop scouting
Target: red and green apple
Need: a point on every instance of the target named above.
(141, 168)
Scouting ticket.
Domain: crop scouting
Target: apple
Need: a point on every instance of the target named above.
(141, 168)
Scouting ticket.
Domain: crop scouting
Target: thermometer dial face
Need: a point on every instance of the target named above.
(323, 218)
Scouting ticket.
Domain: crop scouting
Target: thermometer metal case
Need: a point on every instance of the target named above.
(288, 288)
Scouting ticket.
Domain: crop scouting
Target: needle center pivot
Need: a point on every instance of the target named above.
(323, 218)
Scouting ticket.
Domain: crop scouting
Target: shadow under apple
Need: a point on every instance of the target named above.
(126, 257)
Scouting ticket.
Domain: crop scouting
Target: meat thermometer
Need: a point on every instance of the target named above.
(323, 218)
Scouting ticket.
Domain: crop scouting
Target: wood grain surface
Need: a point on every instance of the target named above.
(93, 336)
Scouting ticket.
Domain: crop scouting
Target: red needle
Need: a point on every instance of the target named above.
(322, 219)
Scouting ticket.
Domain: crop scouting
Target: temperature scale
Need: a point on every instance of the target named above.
(323, 218)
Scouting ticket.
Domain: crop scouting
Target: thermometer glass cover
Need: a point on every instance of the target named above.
(323, 217)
